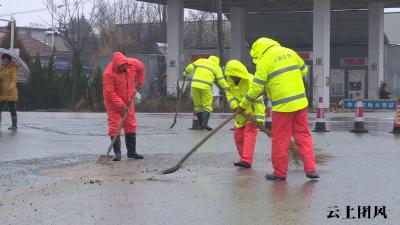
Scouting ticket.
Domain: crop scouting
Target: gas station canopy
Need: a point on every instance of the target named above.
(278, 5)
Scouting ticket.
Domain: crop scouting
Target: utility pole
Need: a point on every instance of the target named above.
(52, 27)
(12, 22)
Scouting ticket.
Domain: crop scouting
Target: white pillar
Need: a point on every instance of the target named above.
(238, 31)
(321, 50)
(175, 57)
(375, 48)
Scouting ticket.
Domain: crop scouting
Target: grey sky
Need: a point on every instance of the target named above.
(43, 16)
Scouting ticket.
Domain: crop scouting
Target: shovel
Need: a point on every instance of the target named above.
(106, 158)
(179, 164)
(178, 104)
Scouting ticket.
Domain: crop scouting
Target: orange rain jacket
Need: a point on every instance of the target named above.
(119, 88)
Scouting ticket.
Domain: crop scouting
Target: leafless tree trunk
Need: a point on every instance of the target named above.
(220, 32)
(75, 29)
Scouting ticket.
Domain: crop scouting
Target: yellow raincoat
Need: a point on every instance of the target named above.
(8, 83)
(280, 71)
(203, 73)
(235, 69)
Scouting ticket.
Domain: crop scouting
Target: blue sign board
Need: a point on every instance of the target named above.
(372, 104)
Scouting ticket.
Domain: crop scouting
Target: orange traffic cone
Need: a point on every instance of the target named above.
(268, 115)
(195, 122)
(396, 125)
(359, 118)
(320, 125)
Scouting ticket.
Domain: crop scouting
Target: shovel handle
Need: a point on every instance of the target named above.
(215, 130)
(178, 104)
(131, 102)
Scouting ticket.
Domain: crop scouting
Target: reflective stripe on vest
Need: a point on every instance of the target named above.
(259, 117)
(303, 67)
(253, 100)
(283, 70)
(201, 81)
(249, 98)
(205, 67)
(258, 81)
(289, 99)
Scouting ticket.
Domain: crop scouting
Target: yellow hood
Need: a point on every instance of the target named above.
(215, 59)
(235, 68)
(260, 46)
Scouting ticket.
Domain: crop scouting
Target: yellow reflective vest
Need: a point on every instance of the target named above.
(8, 83)
(280, 71)
(235, 68)
(203, 72)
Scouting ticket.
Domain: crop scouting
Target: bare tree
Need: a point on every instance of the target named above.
(76, 28)
(130, 25)
(201, 30)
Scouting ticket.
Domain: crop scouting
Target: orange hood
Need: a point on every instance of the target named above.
(118, 59)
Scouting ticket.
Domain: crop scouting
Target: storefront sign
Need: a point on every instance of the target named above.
(194, 57)
(371, 104)
(356, 61)
(305, 55)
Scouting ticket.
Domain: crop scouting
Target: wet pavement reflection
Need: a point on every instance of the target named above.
(48, 175)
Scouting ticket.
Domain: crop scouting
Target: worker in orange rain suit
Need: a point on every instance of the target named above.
(245, 132)
(280, 71)
(203, 73)
(122, 77)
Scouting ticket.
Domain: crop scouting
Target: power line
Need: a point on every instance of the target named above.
(36, 10)
(23, 12)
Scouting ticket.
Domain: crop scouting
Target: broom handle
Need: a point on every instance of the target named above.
(215, 130)
(120, 124)
(259, 126)
(264, 129)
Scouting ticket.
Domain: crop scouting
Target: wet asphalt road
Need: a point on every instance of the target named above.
(48, 175)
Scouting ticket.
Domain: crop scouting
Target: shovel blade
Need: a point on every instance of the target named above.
(173, 124)
(104, 159)
(171, 170)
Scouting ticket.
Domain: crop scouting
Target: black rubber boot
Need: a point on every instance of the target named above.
(117, 149)
(200, 118)
(204, 122)
(14, 123)
(130, 140)
(312, 176)
(242, 164)
(274, 178)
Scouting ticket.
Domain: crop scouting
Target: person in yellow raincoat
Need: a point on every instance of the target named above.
(280, 72)
(202, 74)
(8, 88)
(245, 132)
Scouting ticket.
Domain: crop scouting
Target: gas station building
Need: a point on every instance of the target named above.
(342, 41)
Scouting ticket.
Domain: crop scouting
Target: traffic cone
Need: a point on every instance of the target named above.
(268, 115)
(396, 125)
(195, 122)
(359, 118)
(320, 125)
